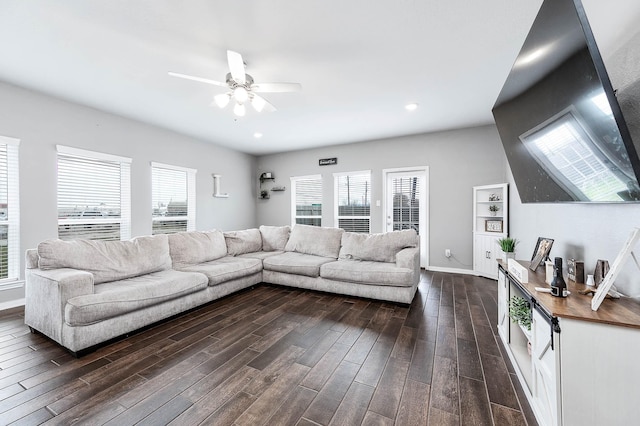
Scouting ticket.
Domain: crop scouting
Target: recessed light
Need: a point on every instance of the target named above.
(411, 107)
(257, 135)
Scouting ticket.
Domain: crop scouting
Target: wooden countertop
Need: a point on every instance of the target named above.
(623, 312)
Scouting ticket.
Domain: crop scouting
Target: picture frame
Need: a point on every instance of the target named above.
(541, 252)
(493, 226)
(612, 274)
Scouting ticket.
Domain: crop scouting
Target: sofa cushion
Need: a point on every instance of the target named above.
(315, 240)
(107, 260)
(274, 238)
(225, 269)
(376, 247)
(367, 272)
(189, 248)
(119, 297)
(296, 263)
(241, 242)
(261, 254)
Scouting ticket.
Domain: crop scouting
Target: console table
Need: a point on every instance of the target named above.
(576, 366)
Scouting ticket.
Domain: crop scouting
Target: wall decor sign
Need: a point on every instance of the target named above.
(328, 161)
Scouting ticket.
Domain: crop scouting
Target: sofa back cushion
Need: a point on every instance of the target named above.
(241, 242)
(376, 247)
(315, 240)
(107, 260)
(274, 238)
(192, 247)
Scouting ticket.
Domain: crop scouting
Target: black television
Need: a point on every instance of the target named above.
(561, 125)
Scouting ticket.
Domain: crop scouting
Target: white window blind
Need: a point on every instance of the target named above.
(94, 195)
(406, 203)
(306, 200)
(173, 198)
(353, 201)
(9, 210)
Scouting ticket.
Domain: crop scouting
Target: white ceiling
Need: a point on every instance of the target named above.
(359, 61)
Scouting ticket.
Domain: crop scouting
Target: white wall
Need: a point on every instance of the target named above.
(41, 122)
(586, 231)
(457, 161)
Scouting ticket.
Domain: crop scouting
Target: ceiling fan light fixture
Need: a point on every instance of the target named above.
(241, 94)
(239, 110)
(221, 100)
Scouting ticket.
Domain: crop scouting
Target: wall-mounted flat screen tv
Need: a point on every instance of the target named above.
(558, 117)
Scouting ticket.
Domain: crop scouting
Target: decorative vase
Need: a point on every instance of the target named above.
(509, 255)
(493, 213)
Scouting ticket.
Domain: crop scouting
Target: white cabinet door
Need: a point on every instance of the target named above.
(484, 254)
(503, 307)
(546, 374)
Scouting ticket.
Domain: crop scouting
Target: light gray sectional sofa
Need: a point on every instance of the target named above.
(82, 293)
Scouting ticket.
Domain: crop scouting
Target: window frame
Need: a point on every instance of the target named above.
(190, 193)
(336, 199)
(13, 213)
(294, 186)
(125, 189)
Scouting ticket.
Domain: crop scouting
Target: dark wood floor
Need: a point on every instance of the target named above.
(274, 355)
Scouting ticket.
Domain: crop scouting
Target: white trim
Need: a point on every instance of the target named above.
(172, 167)
(357, 172)
(455, 271)
(12, 304)
(93, 155)
(6, 140)
(9, 284)
(294, 178)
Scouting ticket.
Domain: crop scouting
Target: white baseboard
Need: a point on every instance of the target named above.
(11, 304)
(452, 270)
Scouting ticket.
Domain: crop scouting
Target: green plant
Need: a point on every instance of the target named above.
(520, 311)
(493, 208)
(508, 244)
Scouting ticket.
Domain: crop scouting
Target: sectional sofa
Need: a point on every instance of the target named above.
(82, 293)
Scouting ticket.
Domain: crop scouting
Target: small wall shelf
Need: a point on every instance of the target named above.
(265, 189)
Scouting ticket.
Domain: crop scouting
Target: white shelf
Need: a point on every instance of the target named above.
(485, 249)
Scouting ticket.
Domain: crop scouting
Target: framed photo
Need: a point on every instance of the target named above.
(541, 252)
(493, 226)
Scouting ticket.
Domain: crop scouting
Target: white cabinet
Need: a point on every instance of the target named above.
(545, 357)
(490, 222)
(503, 306)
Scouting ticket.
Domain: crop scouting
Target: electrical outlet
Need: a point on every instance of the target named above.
(447, 253)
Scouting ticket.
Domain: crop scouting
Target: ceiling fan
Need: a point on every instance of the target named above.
(242, 87)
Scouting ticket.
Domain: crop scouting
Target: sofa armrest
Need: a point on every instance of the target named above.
(410, 258)
(46, 294)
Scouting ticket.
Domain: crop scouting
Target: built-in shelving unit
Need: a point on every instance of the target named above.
(489, 226)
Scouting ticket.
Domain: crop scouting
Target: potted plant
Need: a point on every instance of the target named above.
(493, 209)
(520, 312)
(508, 246)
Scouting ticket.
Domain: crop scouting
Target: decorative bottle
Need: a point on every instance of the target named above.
(558, 286)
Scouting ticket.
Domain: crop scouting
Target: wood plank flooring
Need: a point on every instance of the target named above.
(279, 356)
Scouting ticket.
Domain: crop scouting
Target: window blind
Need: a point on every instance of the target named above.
(94, 195)
(306, 200)
(9, 210)
(173, 199)
(406, 203)
(353, 201)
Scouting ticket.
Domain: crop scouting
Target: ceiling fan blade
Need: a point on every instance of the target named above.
(276, 87)
(261, 104)
(236, 66)
(200, 79)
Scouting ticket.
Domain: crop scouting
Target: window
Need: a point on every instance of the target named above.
(353, 201)
(94, 195)
(306, 200)
(173, 197)
(9, 210)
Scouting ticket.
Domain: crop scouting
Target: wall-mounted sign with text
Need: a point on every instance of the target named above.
(328, 161)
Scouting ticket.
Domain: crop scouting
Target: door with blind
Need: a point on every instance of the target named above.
(406, 205)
